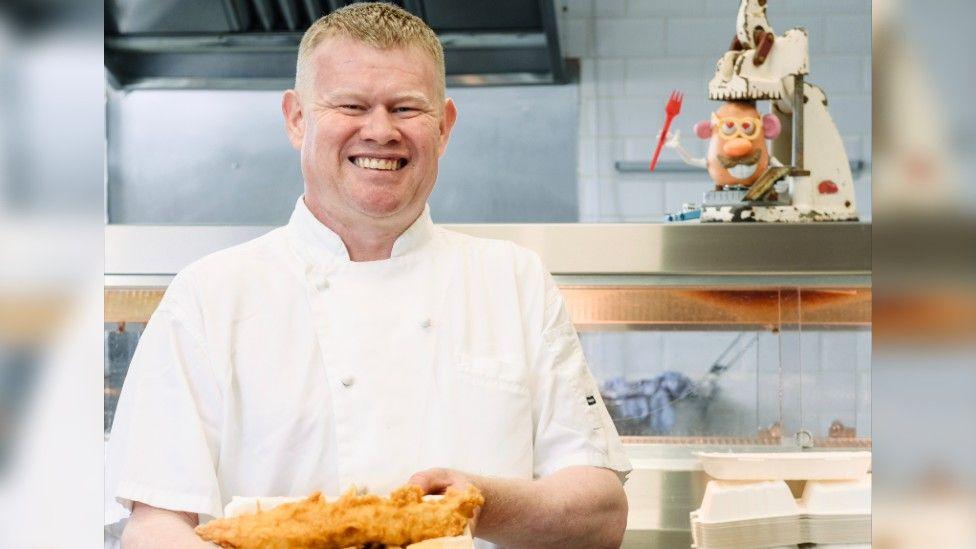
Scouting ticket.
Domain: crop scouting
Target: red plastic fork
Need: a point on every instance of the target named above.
(671, 109)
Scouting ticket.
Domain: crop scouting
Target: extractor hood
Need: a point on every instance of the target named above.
(252, 44)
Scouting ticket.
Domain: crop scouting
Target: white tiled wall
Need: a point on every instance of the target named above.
(831, 380)
(634, 52)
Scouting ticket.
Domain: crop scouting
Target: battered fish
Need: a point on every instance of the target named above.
(350, 521)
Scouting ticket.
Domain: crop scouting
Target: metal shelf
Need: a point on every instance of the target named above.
(768, 255)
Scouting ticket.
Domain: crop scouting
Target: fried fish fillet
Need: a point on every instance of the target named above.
(350, 521)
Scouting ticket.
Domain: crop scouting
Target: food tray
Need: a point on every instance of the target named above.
(837, 497)
(727, 501)
(786, 465)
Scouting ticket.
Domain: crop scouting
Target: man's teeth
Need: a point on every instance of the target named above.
(742, 171)
(377, 163)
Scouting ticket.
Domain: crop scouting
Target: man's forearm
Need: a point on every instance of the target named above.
(150, 527)
(575, 507)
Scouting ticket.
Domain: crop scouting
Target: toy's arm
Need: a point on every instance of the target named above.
(674, 142)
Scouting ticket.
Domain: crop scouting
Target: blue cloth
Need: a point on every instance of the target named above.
(649, 400)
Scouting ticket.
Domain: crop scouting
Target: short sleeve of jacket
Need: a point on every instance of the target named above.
(163, 446)
(573, 426)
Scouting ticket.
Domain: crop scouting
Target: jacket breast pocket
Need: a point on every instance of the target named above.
(493, 373)
(493, 404)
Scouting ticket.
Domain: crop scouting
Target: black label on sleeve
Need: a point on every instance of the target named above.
(590, 400)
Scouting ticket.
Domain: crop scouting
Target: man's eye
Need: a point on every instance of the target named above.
(405, 110)
(352, 107)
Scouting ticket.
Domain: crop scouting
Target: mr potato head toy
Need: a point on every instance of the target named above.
(737, 150)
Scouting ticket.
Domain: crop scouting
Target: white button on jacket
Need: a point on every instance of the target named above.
(232, 390)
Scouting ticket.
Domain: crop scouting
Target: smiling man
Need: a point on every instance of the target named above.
(371, 122)
(360, 345)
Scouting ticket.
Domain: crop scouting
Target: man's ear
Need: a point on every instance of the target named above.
(447, 124)
(291, 107)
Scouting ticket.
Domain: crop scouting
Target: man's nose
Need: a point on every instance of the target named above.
(737, 147)
(379, 127)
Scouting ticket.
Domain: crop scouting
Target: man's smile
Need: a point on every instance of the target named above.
(378, 163)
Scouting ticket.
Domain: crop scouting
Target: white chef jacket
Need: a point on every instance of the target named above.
(279, 367)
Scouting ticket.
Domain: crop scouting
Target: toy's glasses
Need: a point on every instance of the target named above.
(731, 127)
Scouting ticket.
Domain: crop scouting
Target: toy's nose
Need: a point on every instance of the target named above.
(737, 147)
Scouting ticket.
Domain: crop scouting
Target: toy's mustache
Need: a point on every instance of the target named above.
(731, 162)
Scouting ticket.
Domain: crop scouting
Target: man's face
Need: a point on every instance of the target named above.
(737, 152)
(371, 127)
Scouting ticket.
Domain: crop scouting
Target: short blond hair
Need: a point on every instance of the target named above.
(377, 24)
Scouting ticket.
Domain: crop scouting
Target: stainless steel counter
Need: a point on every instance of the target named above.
(736, 250)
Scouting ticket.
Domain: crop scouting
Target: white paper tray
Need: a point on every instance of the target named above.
(743, 513)
(741, 500)
(786, 465)
(837, 497)
(728, 501)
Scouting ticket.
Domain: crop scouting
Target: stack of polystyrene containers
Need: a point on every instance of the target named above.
(750, 505)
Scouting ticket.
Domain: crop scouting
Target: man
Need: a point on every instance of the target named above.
(360, 345)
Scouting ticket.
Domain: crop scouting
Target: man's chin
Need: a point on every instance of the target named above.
(390, 204)
(381, 209)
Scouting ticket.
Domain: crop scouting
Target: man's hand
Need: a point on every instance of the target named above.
(582, 507)
(436, 481)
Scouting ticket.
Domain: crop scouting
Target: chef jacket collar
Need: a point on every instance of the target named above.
(322, 240)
